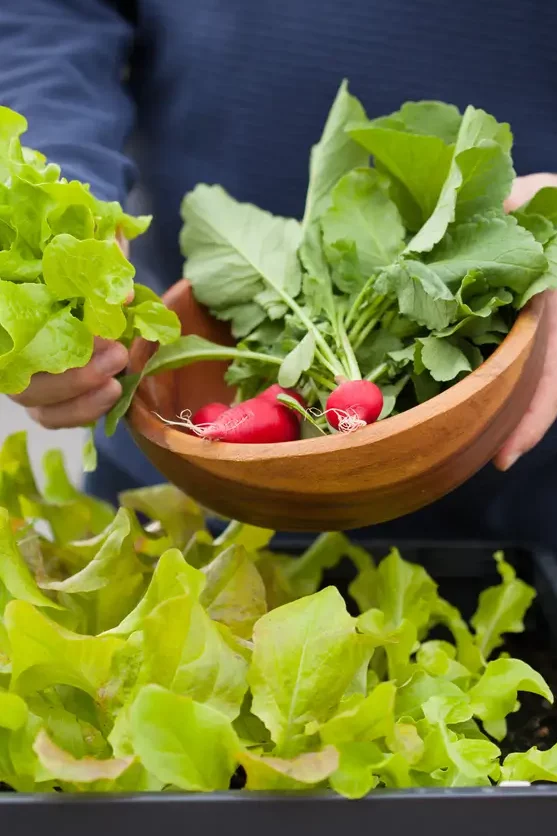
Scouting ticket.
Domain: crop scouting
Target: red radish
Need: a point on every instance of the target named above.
(273, 391)
(353, 404)
(257, 421)
(208, 413)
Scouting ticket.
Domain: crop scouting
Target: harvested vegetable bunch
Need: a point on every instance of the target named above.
(406, 272)
(63, 278)
(149, 658)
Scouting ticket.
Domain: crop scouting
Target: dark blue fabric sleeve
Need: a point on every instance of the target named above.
(62, 65)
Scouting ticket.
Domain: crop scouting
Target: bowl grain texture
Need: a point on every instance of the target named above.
(336, 482)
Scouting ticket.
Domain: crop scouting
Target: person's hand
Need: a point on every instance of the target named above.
(78, 397)
(542, 411)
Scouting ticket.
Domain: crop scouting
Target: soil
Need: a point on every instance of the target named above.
(535, 724)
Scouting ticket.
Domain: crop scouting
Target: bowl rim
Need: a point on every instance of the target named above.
(144, 422)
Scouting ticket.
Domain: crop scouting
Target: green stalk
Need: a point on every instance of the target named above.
(334, 369)
(352, 367)
(333, 362)
(365, 315)
(315, 376)
(377, 372)
(358, 301)
(363, 327)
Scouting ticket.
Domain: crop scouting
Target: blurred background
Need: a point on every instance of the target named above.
(13, 419)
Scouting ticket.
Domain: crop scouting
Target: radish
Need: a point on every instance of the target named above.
(354, 404)
(209, 412)
(273, 391)
(257, 421)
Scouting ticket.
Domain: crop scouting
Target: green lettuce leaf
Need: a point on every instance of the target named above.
(64, 277)
(363, 766)
(234, 592)
(202, 659)
(97, 272)
(362, 718)
(13, 711)
(531, 766)
(150, 317)
(179, 516)
(63, 342)
(173, 577)
(305, 656)
(501, 609)
(14, 573)
(398, 642)
(465, 761)
(182, 742)
(493, 697)
(44, 653)
(404, 591)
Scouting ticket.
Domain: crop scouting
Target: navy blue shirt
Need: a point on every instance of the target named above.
(153, 96)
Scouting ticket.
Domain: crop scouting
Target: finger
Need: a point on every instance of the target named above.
(539, 417)
(524, 188)
(109, 359)
(78, 412)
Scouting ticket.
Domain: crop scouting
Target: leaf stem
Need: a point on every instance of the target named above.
(352, 367)
(377, 372)
(362, 329)
(321, 380)
(357, 302)
(333, 361)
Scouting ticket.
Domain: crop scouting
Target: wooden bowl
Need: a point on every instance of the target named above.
(335, 482)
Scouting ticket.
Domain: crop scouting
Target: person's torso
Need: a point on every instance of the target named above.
(237, 92)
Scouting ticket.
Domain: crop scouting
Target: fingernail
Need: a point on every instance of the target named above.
(110, 392)
(511, 460)
(110, 361)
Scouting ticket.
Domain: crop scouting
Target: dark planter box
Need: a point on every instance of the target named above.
(462, 572)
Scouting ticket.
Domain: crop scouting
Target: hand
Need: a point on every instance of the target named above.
(78, 397)
(542, 411)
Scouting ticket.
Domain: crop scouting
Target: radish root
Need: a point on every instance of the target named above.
(348, 420)
(200, 430)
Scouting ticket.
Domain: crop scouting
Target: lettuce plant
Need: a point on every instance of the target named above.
(149, 656)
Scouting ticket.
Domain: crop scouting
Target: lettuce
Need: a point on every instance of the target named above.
(63, 278)
(125, 667)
